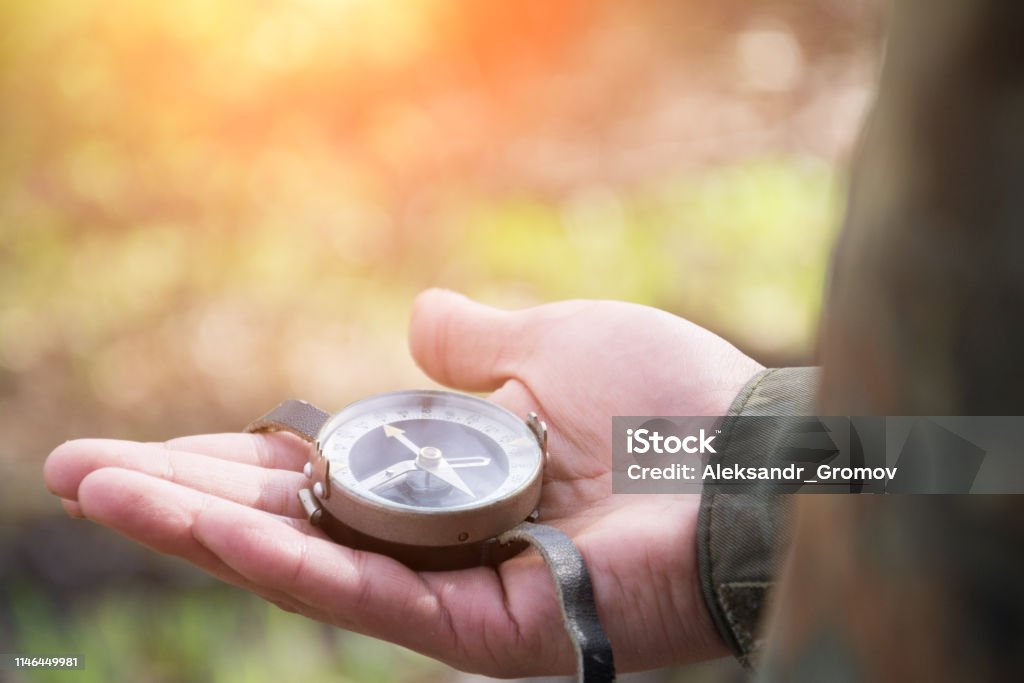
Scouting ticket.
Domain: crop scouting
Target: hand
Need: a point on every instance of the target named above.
(228, 502)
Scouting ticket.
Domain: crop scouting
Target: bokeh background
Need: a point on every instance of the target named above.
(210, 205)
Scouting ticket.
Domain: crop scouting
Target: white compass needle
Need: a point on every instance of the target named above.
(442, 470)
(430, 460)
(389, 474)
(399, 436)
(472, 461)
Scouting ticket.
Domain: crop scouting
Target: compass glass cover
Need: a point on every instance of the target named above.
(429, 450)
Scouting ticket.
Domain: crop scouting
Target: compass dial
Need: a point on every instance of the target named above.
(429, 451)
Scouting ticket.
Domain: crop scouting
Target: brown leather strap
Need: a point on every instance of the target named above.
(298, 417)
(576, 597)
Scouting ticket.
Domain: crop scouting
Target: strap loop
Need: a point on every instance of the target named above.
(575, 596)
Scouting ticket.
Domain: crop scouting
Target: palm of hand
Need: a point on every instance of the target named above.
(576, 364)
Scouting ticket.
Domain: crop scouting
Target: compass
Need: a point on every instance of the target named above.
(406, 472)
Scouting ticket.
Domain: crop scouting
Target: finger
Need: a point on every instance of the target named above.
(274, 450)
(273, 556)
(465, 344)
(160, 515)
(364, 592)
(72, 508)
(270, 490)
(460, 617)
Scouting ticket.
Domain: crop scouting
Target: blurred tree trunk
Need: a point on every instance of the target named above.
(925, 316)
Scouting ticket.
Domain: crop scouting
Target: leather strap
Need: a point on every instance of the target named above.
(575, 596)
(568, 570)
(298, 417)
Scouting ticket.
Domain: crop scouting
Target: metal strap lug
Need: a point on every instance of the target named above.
(540, 432)
(312, 506)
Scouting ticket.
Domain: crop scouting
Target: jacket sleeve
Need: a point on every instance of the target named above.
(741, 536)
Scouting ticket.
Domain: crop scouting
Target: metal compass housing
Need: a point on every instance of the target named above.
(427, 468)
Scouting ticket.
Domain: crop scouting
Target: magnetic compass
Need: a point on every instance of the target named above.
(424, 469)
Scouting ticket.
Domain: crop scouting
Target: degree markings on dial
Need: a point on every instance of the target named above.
(503, 436)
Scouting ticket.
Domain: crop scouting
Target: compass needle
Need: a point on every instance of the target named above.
(473, 461)
(388, 474)
(399, 436)
(430, 460)
(446, 472)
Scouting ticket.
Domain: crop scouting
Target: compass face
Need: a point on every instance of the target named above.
(430, 451)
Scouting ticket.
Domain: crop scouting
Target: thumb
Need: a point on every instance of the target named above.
(464, 344)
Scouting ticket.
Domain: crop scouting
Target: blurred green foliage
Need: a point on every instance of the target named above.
(741, 247)
(198, 635)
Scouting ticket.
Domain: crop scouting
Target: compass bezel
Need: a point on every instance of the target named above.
(371, 514)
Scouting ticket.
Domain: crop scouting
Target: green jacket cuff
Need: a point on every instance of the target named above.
(741, 537)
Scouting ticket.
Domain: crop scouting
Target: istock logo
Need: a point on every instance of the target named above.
(645, 441)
